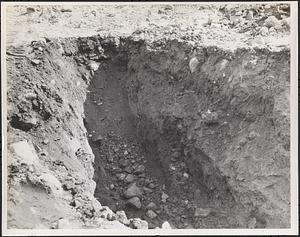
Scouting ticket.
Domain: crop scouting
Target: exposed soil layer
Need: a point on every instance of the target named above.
(166, 127)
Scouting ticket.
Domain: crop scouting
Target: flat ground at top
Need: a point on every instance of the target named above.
(24, 25)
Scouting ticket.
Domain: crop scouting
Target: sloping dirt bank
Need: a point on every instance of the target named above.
(200, 132)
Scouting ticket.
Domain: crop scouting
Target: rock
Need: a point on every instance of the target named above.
(252, 223)
(140, 169)
(133, 191)
(129, 178)
(128, 169)
(112, 186)
(121, 176)
(164, 197)
(30, 96)
(63, 224)
(147, 190)
(25, 152)
(253, 135)
(35, 61)
(271, 21)
(166, 225)
(93, 66)
(151, 206)
(264, 31)
(249, 16)
(193, 64)
(51, 183)
(151, 214)
(66, 10)
(186, 175)
(46, 141)
(30, 10)
(134, 202)
(137, 223)
(121, 216)
(210, 117)
(202, 212)
(151, 185)
(97, 138)
(286, 22)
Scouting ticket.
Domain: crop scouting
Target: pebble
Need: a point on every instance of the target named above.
(166, 225)
(140, 169)
(36, 61)
(271, 21)
(132, 191)
(137, 223)
(151, 206)
(129, 178)
(147, 190)
(134, 202)
(202, 212)
(186, 175)
(249, 16)
(97, 138)
(193, 64)
(46, 141)
(121, 217)
(151, 214)
(164, 197)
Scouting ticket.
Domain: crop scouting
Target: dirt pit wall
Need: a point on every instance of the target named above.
(218, 121)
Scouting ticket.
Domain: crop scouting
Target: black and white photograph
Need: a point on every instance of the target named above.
(136, 118)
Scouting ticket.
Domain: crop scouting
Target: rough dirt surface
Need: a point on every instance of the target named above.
(169, 113)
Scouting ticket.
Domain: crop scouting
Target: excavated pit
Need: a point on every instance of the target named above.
(123, 141)
(151, 121)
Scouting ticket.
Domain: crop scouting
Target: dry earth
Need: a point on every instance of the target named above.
(176, 113)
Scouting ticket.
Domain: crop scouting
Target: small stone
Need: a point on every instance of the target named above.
(66, 10)
(63, 224)
(164, 197)
(186, 175)
(121, 217)
(30, 96)
(151, 214)
(151, 206)
(121, 176)
(166, 225)
(36, 61)
(249, 16)
(252, 223)
(128, 169)
(271, 21)
(112, 186)
(202, 212)
(126, 152)
(151, 185)
(97, 138)
(252, 135)
(193, 64)
(264, 31)
(140, 169)
(129, 178)
(132, 191)
(147, 190)
(137, 223)
(46, 141)
(134, 202)
(93, 66)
